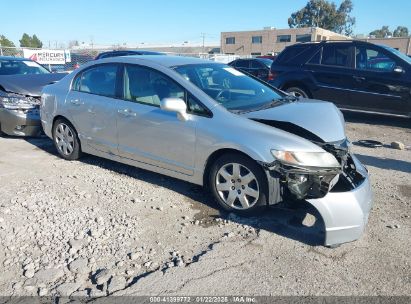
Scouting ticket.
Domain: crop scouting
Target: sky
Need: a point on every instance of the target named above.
(170, 21)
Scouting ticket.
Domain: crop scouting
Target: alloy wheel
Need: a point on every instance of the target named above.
(64, 138)
(237, 186)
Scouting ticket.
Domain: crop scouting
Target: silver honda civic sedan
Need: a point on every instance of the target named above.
(209, 124)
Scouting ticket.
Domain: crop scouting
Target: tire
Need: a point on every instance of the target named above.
(66, 140)
(243, 196)
(298, 92)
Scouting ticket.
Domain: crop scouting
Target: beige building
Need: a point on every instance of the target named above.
(271, 40)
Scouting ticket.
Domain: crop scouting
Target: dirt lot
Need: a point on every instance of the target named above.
(95, 228)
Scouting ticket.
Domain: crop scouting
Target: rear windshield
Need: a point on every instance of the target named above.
(293, 54)
(21, 67)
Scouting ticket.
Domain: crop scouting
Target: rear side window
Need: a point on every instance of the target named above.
(256, 65)
(336, 55)
(100, 80)
(290, 53)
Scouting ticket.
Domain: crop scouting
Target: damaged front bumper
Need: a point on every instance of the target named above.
(20, 122)
(342, 197)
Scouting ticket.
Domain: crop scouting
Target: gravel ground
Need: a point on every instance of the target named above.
(96, 228)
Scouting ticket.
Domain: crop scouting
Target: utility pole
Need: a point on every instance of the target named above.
(203, 36)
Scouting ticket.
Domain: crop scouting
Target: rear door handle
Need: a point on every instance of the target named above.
(127, 112)
(76, 102)
(358, 78)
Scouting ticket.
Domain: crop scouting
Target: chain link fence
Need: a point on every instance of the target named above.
(79, 57)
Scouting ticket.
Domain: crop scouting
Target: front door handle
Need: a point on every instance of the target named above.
(76, 102)
(358, 78)
(127, 112)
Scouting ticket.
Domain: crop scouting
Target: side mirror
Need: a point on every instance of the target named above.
(175, 105)
(398, 70)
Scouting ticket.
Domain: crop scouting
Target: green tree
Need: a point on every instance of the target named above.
(401, 31)
(28, 41)
(325, 14)
(4, 42)
(383, 32)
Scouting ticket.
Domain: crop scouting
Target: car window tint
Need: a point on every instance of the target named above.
(316, 58)
(242, 64)
(256, 65)
(335, 55)
(195, 107)
(290, 53)
(372, 59)
(144, 85)
(100, 80)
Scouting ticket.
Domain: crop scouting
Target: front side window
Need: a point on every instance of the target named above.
(257, 39)
(374, 60)
(147, 86)
(230, 87)
(99, 80)
(21, 67)
(336, 55)
(230, 40)
(284, 38)
(242, 64)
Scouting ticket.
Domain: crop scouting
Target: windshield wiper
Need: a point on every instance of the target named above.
(273, 103)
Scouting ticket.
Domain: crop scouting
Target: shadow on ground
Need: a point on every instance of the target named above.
(385, 163)
(286, 220)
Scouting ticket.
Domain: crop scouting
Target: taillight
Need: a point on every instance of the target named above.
(272, 76)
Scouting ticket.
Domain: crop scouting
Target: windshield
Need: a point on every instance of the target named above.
(229, 87)
(20, 67)
(399, 54)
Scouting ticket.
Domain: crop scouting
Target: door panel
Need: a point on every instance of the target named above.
(377, 87)
(145, 132)
(92, 107)
(333, 76)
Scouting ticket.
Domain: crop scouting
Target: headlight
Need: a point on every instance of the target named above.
(18, 102)
(308, 159)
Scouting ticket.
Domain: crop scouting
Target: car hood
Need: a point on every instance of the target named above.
(29, 85)
(314, 120)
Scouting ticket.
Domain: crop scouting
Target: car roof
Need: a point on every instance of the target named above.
(166, 61)
(14, 58)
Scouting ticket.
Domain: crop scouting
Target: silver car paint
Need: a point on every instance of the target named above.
(181, 149)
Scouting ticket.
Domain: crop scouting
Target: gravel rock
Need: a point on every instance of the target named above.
(66, 289)
(102, 276)
(79, 265)
(398, 145)
(134, 256)
(29, 273)
(116, 283)
(49, 275)
(43, 291)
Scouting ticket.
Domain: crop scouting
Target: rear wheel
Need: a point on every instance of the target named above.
(298, 92)
(238, 184)
(66, 140)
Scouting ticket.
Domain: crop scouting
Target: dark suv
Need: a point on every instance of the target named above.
(354, 75)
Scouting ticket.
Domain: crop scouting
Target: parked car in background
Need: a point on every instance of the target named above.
(125, 53)
(258, 67)
(272, 57)
(355, 75)
(210, 124)
(21, 81)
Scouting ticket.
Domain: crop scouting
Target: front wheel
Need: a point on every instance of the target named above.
(66, 140)
(238, 184)
(297, 92)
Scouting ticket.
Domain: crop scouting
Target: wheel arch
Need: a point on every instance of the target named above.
(218, 153)
(57, 117)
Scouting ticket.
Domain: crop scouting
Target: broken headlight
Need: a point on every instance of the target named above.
(306, 159)
(18, 102)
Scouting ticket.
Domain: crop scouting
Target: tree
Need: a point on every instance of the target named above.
(32, 42)
(4, 42)
(325, 14)
(401, 31)
(383, 32)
